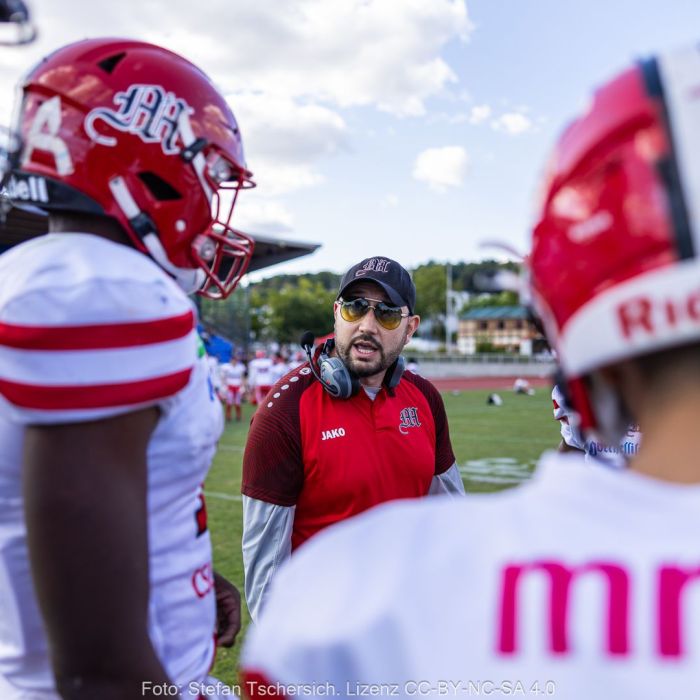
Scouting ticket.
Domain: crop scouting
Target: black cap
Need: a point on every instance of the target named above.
(389, 275)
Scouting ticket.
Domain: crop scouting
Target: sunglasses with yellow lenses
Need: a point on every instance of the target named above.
(389, 317)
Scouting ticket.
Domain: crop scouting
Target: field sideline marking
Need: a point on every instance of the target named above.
(222, 496)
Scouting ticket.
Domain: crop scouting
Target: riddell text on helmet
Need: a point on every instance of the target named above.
(644, 314)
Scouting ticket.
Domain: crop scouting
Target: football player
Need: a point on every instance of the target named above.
(108, 420)
(260, 376)
(572, 439)
(233, 377)
(584, 582)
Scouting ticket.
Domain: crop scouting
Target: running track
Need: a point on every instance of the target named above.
(500, 383)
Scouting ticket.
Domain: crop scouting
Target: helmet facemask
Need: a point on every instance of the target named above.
(221, 251)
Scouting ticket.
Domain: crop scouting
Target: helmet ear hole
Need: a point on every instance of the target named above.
(160, 190)
(109, 64)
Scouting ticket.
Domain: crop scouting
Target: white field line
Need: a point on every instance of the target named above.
(223, 496)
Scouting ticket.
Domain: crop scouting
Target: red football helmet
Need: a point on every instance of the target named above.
(614, 266)
(134, 131)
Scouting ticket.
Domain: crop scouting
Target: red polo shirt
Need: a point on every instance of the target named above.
(334, 458)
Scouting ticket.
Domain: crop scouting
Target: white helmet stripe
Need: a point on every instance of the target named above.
(649, 312)
(198, 162)
(190, 280)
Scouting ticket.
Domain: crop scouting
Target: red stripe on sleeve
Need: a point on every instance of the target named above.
(66, 398)
(256, 685)
(96, 337)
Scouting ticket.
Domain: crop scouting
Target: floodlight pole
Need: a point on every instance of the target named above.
(448, 309)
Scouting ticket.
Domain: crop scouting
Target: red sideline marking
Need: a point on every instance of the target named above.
(468, 383)
(95, 337)
(56, 398)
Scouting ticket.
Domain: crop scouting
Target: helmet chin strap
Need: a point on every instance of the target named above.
(190, 280)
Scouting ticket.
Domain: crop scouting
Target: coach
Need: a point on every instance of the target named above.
(345, 432)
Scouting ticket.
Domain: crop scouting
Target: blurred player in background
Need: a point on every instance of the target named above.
(259, 376)
(572, 439)
(584, 582)
(279, 368)
(108, 419)
(233, 385)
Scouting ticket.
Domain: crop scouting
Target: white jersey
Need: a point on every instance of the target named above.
(214, 371)
(613, 455)
(90, 329)
(232, 375)
(278, 370)
(260, 371)
(582, 583)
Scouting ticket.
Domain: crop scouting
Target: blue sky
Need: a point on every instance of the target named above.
(410, 128)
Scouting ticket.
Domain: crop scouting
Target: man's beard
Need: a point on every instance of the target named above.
(368, 369)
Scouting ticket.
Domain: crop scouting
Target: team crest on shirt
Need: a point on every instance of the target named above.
(409, 419)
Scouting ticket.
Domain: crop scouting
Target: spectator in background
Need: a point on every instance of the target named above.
(412, 365)
(315, 457)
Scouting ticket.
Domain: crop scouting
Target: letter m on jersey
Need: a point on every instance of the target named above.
(560, 578)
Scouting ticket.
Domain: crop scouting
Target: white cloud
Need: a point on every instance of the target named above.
(479, 114)
(287, 67)
(381, 53)
(391, 200)
(441, 168)
(262, 216)
(512, 123)
(285, 140)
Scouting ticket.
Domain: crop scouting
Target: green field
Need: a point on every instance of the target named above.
(496, 447)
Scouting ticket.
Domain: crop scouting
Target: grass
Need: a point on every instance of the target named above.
(496, 447)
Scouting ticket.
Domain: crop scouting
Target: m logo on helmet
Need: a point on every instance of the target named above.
(148, 111)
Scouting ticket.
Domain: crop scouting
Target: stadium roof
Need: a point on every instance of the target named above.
(483, 313)
(269, 250)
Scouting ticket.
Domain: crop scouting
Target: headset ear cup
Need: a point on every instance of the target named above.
(336, 378)
(395, 372)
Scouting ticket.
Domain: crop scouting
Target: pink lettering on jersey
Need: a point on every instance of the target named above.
(560, 579)
(672, 581)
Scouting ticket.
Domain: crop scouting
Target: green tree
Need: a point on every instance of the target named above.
(431, 289)
(506, 298)
(299, 307)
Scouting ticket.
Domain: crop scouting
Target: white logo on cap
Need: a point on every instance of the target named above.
(374, 265)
